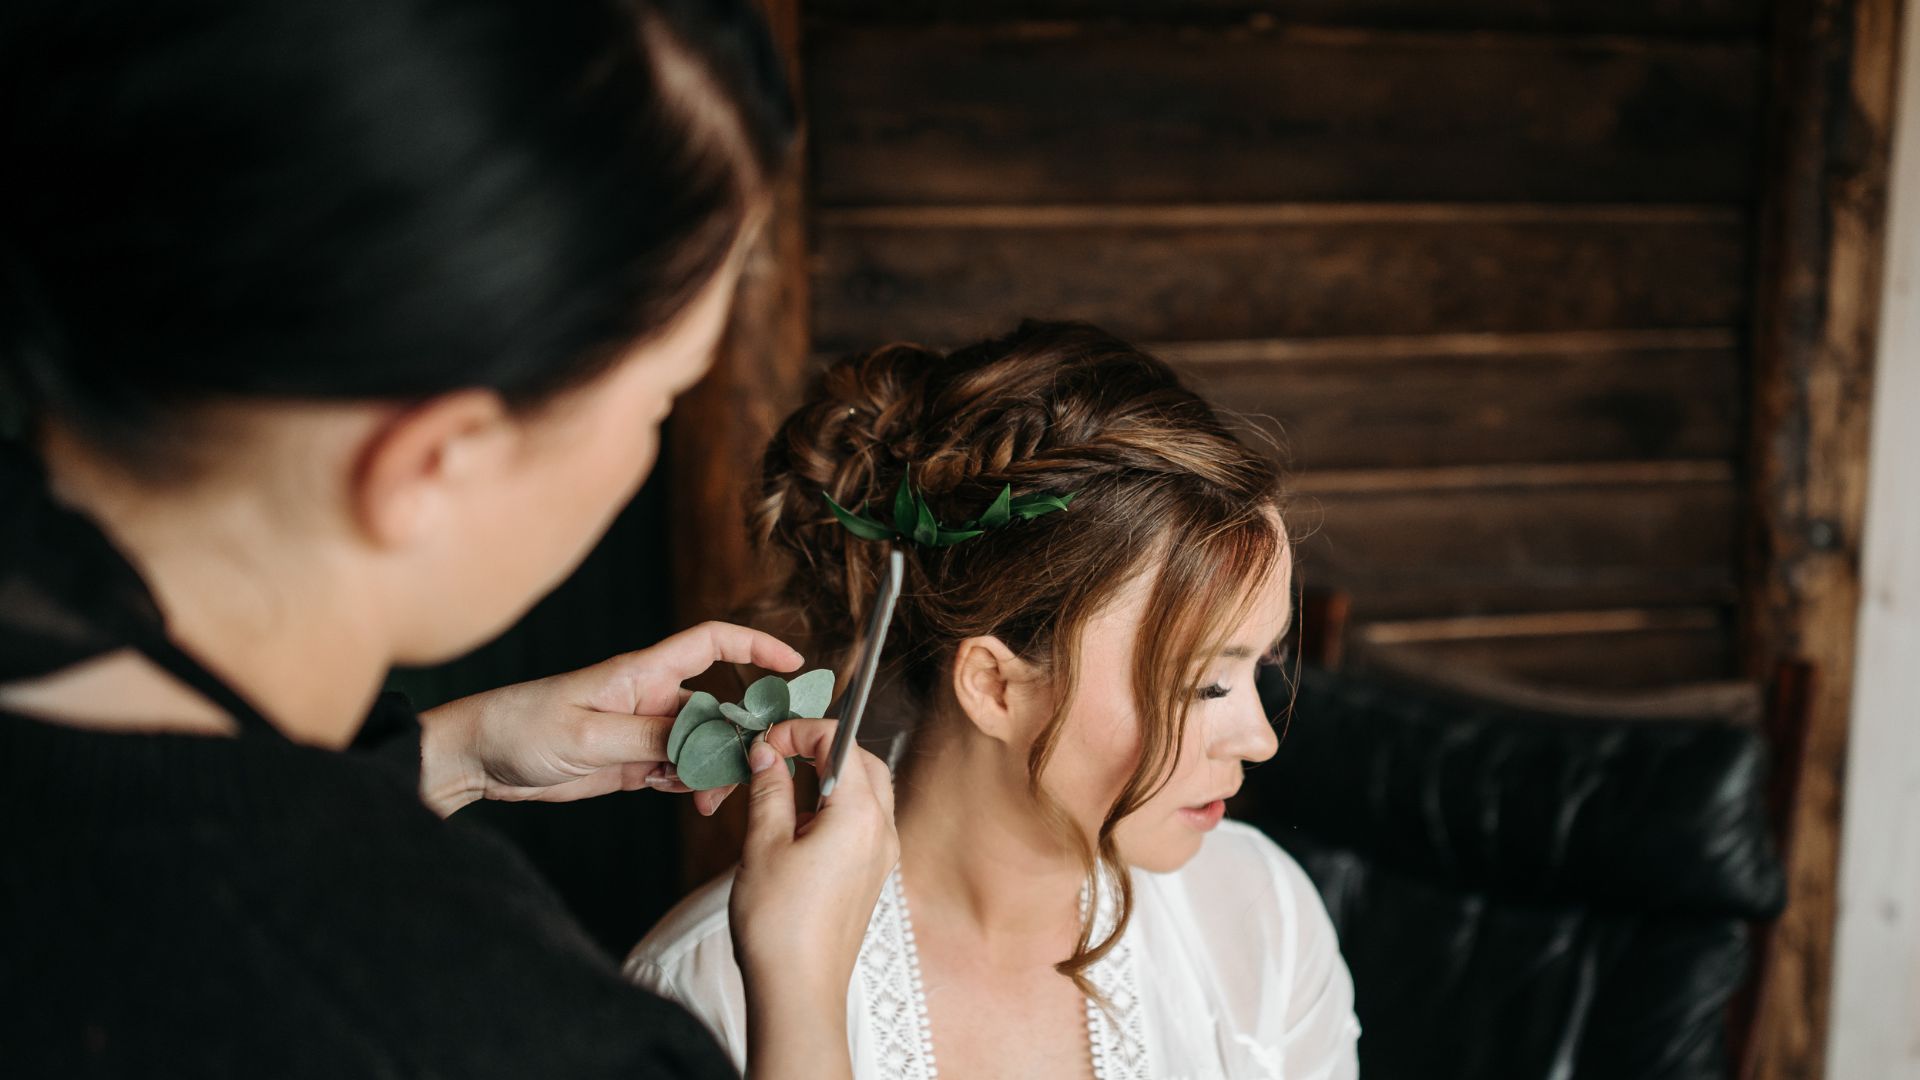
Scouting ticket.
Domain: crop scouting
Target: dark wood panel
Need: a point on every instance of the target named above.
(1731, 17)
(1190, 277)
(921, 116)
(1542, 401)
(1420, 552)
(1836, 78)
(1612, 661)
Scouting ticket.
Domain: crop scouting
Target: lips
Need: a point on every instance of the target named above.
(1220, 798)
(1205, 816)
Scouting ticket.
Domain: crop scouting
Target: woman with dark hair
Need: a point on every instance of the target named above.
(344, 328)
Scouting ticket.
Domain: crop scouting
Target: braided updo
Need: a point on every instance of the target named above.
(1053, 408)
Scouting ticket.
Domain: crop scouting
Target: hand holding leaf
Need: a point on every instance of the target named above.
(709, 740)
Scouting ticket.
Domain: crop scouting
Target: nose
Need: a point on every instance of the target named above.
(1247, 734)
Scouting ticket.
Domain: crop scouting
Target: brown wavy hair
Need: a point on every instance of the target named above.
(1055, 408)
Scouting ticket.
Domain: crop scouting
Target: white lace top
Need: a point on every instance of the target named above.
(1229, 970)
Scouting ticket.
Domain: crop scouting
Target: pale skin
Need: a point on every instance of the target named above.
(327, 542)
(994, 894)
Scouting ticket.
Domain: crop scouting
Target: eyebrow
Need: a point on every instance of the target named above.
(1242, 652)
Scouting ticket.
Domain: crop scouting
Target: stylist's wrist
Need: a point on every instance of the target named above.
(793, 1035)
(450, 776)
(784, 977)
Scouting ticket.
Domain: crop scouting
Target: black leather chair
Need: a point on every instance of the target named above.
(1521, 895)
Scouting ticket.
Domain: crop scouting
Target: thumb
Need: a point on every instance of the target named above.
(770, 814)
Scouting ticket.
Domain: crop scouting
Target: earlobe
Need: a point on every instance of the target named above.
(413, 465)
(991, 685)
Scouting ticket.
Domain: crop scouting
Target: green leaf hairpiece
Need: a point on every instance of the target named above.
(709, 740)
(913, 519)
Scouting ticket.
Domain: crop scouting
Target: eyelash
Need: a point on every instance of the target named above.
(1213, 691)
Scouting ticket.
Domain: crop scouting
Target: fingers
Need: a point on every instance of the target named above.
(808, 738)
(864, 772)
(770, 811)
(879, 778)
(692, 651)
(602, 738)
(708, 801)
(664, 777)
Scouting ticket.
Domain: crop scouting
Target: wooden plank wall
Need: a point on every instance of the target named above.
(1483, 266)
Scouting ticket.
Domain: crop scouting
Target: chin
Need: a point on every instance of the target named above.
(460, 630)
(1165, 853)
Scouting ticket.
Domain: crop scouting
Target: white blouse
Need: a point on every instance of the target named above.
(1229, 970)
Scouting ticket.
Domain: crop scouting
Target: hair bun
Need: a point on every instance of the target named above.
(1050, 408)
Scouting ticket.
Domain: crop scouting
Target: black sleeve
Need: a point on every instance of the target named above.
(391, 735)
(453, 955)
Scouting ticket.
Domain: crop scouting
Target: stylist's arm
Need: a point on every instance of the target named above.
(604, 728)
(584, 733)
(801, 900)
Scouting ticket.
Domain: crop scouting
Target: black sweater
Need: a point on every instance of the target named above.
(182, 906)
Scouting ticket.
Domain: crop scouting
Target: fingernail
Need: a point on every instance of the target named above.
(658, 780)
(760, 756)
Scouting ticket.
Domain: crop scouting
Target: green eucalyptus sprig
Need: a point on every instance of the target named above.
(709, 740)
(913, 519)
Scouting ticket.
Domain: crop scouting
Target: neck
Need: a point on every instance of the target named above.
(978, 861)
(273, 618)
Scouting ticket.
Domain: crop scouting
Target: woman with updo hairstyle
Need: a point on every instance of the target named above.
(341, 330)
(1080, 689)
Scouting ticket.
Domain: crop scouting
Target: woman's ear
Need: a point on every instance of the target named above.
(996, 689)
(413, 467)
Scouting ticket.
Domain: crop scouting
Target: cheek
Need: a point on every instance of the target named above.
(1098, 749)
(1154, 838)
(632, 460)
(627, 441)
(582, 484)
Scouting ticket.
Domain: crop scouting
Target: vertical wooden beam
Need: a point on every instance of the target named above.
(1876, 985)
(719, 429)
(1820, 242)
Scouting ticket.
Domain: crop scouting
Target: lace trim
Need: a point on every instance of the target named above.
(1116, 1036)
(889, 973)
(889, 970)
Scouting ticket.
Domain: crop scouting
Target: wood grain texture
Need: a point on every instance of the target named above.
(1318, 273)
(1473, 478)
(1540, 624)
(1385, 404)
(1876, 984)
(943, 115)
(1673, 17)
(1420, 552)
(1821, 248)
(716, 436)
(1612, 662)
